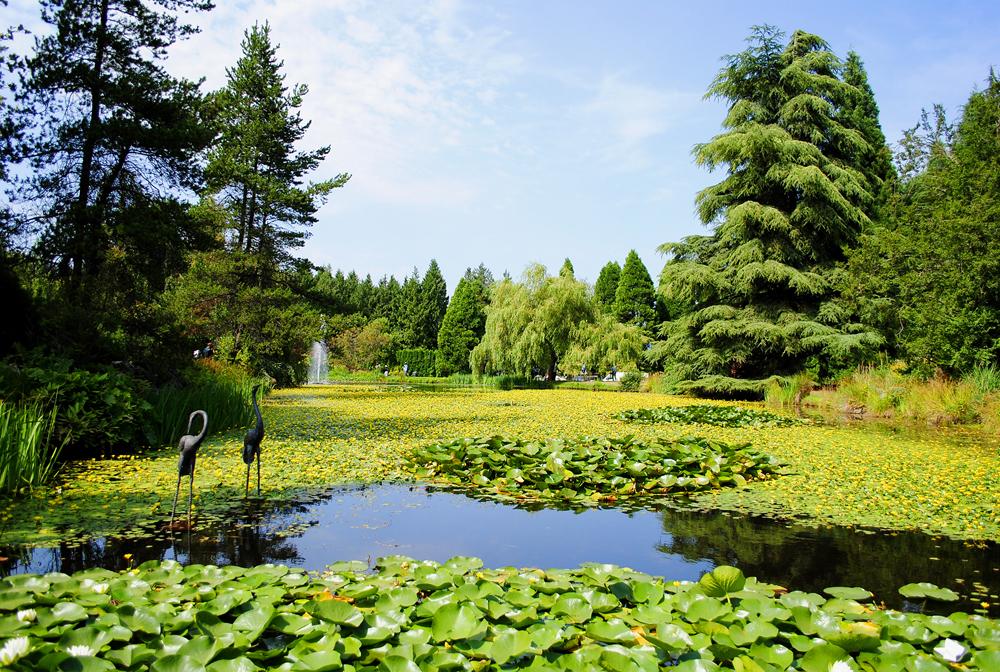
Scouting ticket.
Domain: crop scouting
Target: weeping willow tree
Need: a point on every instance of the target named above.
(794, 198)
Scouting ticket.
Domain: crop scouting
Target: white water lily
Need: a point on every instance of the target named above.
(94, 586)
(841, 666)
(14, 649)
(951, 650)
(26, 615)
(80, 650)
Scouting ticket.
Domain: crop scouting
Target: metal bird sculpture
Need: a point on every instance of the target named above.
(188, 446)
(251, 443)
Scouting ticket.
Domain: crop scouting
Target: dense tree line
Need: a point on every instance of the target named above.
(147, 217)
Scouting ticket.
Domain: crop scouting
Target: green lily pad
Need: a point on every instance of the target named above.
(928, 591)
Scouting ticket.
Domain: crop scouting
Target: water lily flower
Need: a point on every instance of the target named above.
(80, 650)
(26, 615)
(951, 650)
(14, 649)
(841, 666)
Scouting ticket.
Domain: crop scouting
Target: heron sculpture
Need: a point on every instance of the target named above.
(188, 446)
(251, 443)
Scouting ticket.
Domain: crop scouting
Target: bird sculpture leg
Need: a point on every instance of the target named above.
(246, 493)
(258, 472)
(173, 509)
(190, 497)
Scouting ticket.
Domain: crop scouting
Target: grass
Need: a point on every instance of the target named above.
(944, 480)
(223, 392)
(28, 450)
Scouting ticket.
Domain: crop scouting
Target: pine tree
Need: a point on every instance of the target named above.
(635, 298)
(567, 268)
(253, 169)
(606, 286)
(111, 130)
(463, 325)
(432, 307)
(793, 199)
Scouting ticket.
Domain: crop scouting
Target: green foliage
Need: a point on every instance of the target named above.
(720, 416)
(928, 278)
(463, 326)
(415, 615)
(254, 171)
(634, 296)
(98, 411)
(631, 381)
(606, 286)
(267, 329)
(29, 448)
(431, 305)
(222, 391)
(795, 195)
(604, 343)
(363, 347)
(419, 361)
(529, 324)
(589, 470)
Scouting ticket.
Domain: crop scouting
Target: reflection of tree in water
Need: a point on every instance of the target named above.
(806, 558)
(249, 537)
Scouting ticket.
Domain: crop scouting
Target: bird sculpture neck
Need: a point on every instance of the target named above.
(256, 410)
(204, 425)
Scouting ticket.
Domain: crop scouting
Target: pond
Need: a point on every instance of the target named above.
(367, 522)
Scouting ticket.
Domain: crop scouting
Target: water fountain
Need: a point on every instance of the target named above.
(319, 368)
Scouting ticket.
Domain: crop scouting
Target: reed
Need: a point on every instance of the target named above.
(223, 392)
(28, 448)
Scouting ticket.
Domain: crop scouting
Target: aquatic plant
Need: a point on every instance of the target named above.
(408, 615)
(29, 448)
(591, 469)
(720, 416)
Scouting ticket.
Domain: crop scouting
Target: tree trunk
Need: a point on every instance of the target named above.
(86, 222)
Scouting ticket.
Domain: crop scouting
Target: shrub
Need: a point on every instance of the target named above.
(419, 361)
(630, 381)
(99, 411)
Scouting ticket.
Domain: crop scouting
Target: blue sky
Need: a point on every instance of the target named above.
(528, 131)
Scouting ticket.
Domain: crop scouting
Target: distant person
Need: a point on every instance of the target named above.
(406, 369)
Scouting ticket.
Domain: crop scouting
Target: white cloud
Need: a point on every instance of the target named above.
(395, 87)
(628, 116)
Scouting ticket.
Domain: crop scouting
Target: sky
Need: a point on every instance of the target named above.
(507, 133)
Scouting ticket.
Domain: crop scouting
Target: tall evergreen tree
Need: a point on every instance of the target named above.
(111, 130)
(253, 169)
(861, 110)
(567, 268)
(432, 307)
(795, 196)
(463, 325)
(606, 286)
(635, 298)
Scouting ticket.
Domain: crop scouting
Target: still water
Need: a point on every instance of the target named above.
(367, 522)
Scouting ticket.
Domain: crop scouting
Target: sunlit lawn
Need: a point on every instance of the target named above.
(945, 482)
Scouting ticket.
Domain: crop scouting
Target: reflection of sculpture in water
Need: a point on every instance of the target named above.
(188, 446)
(251, 443)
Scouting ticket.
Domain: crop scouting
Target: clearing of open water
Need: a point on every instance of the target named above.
(371, 521)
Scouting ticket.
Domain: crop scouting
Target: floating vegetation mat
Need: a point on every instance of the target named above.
(591, 470)
(410, 615)
(704, 414)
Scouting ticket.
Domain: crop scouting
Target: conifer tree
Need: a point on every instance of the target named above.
(112, 131)
(794, 197)
(875, 160)
(606, 286)
(635, 298)
(463, 325)
(253, 169)
(432, 306)
(567, 268)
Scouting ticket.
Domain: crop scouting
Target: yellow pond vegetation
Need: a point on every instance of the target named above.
(942, 481)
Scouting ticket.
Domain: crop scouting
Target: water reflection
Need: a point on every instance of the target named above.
(366, 522)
